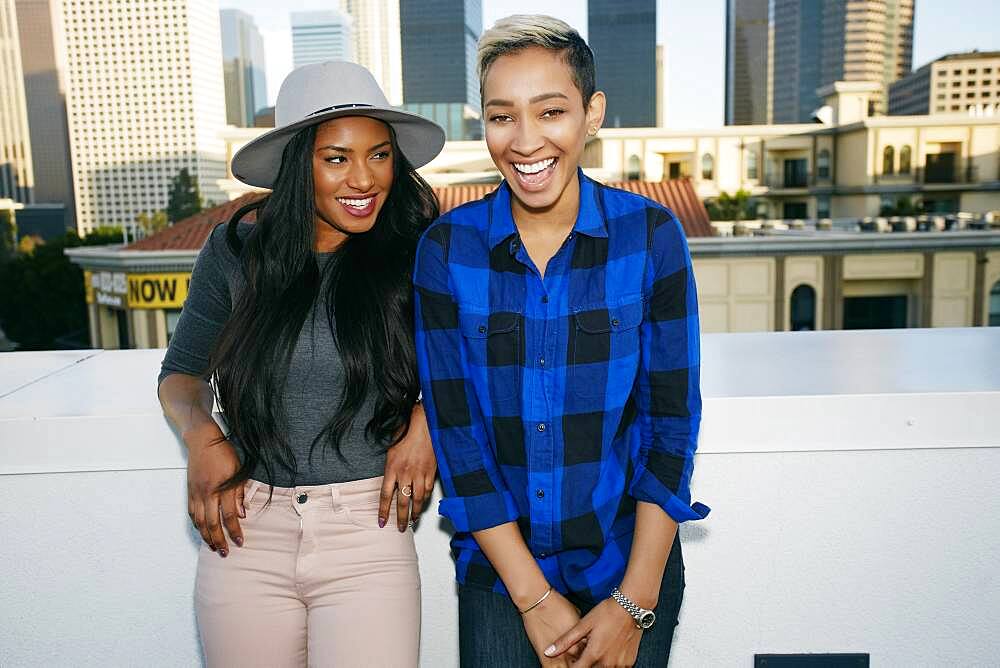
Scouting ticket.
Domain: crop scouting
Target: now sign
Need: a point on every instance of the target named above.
(157, 290)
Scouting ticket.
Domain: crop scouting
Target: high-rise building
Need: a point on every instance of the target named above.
(141, 109)
(749, 62)
(798, 49)
(321, 36)
(779, 52)
(439, 40)
(39, 24)
(622, 34)
(243, 67)
(377, 43)
(959, 82)
(16, 174)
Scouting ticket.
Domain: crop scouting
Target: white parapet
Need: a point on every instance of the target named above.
(852, 476)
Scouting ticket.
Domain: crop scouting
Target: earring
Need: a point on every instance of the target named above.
(592, 131)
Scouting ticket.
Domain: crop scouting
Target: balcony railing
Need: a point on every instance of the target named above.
(858, 464)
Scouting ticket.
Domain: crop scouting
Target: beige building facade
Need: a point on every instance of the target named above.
(813, 281)
(851, 166)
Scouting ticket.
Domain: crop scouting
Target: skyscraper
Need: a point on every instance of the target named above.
(377, 43)
(321, 36)
(439, 63)
(140, 109)
(799, 50)
(749, 75)
(39, 24)
(17, 178)
(622, 34)
(243, 67)
(779, 52)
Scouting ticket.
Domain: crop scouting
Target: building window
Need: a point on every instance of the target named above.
(823, 207)
(995, 305)
(904, 160)
(802, 309)
(888, 160)
(634, 172)
(823, 164)
(752, 164)
(707, 167)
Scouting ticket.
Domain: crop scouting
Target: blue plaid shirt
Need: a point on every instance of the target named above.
(557, 402)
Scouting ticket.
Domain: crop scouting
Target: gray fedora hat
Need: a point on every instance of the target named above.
(312, 94)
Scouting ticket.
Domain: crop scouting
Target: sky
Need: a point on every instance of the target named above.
(692, 30)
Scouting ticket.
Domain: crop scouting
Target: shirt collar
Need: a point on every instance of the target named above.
(590, 219)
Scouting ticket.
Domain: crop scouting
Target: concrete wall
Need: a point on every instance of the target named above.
(851, 475)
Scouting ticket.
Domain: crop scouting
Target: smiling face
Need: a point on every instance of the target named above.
(537, 125)
(352, 167)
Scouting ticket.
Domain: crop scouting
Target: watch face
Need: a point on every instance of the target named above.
(647, 619)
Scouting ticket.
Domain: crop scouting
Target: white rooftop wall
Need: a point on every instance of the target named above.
(852, 476)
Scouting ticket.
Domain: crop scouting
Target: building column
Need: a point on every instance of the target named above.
(979, 288)
(927, 293)
(833, 292)
(779, 293)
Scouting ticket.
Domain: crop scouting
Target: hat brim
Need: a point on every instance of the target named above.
(257, 162)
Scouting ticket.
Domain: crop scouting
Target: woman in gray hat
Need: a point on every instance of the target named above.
(300, 327)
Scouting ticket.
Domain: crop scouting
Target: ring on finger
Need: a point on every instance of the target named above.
(406, 490)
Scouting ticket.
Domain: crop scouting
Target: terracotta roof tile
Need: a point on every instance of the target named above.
(678, 194)
(191, 233)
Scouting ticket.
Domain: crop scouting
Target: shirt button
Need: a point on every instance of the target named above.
(542, 555)
(614, 322)
(545, 299)
(482, 329)
(540, 493)
(541, 361)
(302, 498)
(541, 426)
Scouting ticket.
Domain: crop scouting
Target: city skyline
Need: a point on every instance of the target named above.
(695, 74)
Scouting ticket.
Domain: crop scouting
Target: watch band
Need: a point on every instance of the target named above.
(643, 617)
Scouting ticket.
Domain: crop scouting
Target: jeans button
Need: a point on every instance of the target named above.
(541, 426)
(540, 493)
(302, 498)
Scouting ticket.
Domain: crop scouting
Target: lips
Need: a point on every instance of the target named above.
(534, 176)
(359, 207)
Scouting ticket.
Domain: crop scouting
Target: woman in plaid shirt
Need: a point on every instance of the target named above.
(557, 339)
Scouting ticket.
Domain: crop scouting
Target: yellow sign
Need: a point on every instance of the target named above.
(88, 286)
(155, 291)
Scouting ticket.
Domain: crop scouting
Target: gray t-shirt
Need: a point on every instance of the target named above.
(315, 381)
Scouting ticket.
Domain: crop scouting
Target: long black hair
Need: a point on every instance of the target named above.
(369, 290)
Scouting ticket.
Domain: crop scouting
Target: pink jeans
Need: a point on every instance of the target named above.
(316, 583)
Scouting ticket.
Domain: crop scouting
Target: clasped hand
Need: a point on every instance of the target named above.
(606, 636)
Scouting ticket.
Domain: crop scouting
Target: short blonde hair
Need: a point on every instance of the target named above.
(521, 31)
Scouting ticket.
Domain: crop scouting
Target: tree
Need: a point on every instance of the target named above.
(184, 199)
(151, 224)
(8, 234)
(730, 207)
(43, 296)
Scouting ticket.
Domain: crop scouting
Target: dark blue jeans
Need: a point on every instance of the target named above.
(491, 633)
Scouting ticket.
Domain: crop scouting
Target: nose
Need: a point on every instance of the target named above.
(360, 176)
(528, 138)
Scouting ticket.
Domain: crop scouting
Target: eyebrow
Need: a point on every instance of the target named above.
(343, 149)
(538, 98)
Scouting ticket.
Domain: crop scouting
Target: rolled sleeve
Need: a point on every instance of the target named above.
(476, 495)
(669, 394)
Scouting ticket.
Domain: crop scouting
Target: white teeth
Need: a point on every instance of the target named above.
(534, 167)
(356, 203)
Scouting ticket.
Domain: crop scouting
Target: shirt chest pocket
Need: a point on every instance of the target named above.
(495, 345)
(603, 351)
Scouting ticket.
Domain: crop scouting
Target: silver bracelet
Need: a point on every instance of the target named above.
(538, 602)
